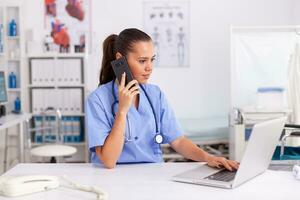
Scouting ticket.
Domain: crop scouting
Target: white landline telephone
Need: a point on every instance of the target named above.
(13, 186)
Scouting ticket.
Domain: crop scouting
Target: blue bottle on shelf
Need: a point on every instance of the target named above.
(12, 28)
(17, 105)
(12, 83)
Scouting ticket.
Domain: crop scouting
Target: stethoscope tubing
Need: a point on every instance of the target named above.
(152, 108)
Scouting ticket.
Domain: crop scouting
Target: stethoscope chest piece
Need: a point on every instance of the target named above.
(158, 138)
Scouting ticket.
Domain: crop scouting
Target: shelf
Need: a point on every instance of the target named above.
(70, 86)
(58, 55)
(66, 143)
(41, 86)
(13, 37)
(56, 86)
(59, 87)
(74, 114)
(13, 90)
(63, 114)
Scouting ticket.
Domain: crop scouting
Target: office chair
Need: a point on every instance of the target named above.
(51, 144)
(285, 157)
(289, 153)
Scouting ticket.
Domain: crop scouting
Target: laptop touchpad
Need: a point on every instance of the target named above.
(199, 172)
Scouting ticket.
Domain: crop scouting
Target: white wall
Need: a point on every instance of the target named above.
(295, 4)
(201, 90)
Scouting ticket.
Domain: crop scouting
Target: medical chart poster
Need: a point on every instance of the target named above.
(67, 25)
(168, 25)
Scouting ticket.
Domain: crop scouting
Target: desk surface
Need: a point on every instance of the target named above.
(152, 181)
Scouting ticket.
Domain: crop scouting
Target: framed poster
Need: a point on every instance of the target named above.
(168, 25)
(67, 25)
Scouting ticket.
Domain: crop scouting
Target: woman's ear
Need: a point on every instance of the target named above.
(118, 55)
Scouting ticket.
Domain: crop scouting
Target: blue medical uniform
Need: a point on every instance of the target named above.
(143, 148)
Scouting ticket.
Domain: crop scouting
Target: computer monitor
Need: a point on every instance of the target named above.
(3, 91)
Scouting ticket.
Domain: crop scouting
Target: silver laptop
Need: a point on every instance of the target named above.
(255, 161)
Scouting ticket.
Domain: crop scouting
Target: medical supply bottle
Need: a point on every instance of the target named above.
(1, 38)
(12, 83)
(17, 105)
(12, 28)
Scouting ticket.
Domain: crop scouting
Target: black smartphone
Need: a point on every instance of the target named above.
(120, 66)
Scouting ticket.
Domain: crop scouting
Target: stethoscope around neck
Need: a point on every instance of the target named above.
(158, 138)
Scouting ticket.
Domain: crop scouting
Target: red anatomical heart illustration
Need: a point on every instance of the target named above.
(60, 35)
(74, 9)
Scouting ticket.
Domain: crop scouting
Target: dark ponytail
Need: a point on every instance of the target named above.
(122, 44)
(106, 72)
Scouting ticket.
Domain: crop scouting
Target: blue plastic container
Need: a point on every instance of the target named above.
(17, 105)
(12, 83)
(12, 28)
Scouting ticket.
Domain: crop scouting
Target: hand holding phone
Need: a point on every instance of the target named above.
(128, 87)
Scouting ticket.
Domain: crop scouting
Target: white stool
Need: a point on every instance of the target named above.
(50, 148)
(53, 150)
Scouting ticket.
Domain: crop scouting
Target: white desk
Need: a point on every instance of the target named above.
(152, 181)
(11, 120)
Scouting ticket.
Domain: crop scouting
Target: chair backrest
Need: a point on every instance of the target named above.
(291, 130)
(45, 127)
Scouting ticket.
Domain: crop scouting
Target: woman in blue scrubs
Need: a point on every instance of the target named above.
(128, 123)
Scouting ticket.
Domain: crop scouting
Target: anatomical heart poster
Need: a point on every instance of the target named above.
(67, 26)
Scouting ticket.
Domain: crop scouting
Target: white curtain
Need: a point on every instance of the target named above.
(260, 59)
(293, 85)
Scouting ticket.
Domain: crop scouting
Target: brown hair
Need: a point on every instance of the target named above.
(122, 44)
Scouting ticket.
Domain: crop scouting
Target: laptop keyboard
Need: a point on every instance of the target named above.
(223, 175)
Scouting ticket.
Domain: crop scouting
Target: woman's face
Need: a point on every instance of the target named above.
(140, 60)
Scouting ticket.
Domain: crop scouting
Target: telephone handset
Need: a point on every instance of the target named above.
(13, 186)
